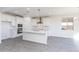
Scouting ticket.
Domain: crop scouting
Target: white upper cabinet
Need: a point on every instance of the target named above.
(19, 20)
(10, 18)
(5, 17)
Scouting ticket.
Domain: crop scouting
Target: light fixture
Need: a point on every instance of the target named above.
(40, 18)
(28, 10)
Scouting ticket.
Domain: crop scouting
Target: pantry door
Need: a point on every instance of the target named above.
(6, 29)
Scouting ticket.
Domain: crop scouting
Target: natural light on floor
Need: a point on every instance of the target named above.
(76, 36)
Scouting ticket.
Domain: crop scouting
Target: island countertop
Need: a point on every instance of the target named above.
(32, 31)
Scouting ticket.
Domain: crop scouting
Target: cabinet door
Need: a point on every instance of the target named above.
(3, 18)
(19, 20)
(8, 18)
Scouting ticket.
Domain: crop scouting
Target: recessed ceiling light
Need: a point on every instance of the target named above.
(16, 11)
(28, 9)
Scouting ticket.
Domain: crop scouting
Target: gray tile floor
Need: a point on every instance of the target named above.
(55, 44)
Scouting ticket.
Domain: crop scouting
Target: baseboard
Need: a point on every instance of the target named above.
(61, 37)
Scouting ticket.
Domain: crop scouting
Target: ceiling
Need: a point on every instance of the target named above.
(44, 11)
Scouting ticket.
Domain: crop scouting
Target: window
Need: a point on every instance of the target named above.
(67, 23)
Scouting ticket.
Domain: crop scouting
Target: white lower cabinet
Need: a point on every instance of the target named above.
(35, 37)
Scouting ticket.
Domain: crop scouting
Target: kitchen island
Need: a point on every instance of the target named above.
(35, 36)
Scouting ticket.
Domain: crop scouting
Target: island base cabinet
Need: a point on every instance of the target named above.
(35, 37)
